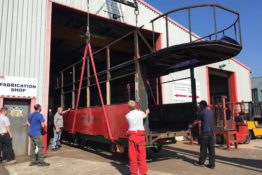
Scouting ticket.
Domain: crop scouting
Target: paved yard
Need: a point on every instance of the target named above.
(174, 159)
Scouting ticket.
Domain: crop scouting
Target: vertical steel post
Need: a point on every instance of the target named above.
(167, 32)
(154, 43)
(215, 21)
(62, 90)
(235, 31)
(140, 84)
(88, 82)
(189, 24)
(157, 91)
(239, 30)
(73, 91)
(136, 57)
(193, 90)
(108, 87)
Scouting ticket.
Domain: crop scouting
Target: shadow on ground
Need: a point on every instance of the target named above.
(251, 164)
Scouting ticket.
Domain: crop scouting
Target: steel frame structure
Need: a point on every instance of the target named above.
(141, 64)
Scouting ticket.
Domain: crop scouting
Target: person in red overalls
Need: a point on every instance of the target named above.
(136, 139)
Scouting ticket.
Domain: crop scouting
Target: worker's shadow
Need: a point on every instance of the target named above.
(166, 154)
(250, 164)
(121, 167)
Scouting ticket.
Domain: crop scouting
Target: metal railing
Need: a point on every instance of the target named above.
(235, 24)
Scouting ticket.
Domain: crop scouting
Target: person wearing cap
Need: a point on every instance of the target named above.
(207, 142)
(136, 139)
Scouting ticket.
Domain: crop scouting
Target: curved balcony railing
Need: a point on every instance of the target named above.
(235, 24)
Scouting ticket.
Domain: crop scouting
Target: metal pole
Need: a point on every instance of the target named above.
(157, 91)
(73, 91)
(193, 90)
(136, 46)
(154, 44)
(62, 90)
(189, 24)
(215, 21)
(167, 32)
(235, 30)
(88, 82)
(239, 29)
(108, 88)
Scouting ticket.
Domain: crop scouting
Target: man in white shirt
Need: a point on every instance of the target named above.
(58, 125)
(136, 139)
(6, 137)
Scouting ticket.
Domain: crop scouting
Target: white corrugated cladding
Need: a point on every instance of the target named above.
(22, 39)
(242, 80)
(23, 33)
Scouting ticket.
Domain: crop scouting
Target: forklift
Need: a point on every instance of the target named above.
(252, 114)
(237, 122)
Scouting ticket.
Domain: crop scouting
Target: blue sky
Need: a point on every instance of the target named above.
(251, 25)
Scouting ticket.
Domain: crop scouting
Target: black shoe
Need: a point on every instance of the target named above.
(198, 164)
(33, 163)
(43, 164)
(210, 166)
(54, 149)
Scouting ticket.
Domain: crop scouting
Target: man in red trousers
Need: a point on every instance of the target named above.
(136, 139)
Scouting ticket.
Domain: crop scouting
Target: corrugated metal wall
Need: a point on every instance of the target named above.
(22, 39)
(23, 33)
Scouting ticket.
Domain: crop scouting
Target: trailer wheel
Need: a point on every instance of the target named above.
(113, 148)
(156, 149)
(248, 138)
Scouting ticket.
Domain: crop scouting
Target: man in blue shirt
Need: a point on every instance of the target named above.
(206, 116)
(36, 122)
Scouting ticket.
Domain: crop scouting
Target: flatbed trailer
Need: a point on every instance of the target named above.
(90, 126)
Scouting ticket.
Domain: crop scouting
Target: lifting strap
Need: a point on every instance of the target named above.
(88, 52)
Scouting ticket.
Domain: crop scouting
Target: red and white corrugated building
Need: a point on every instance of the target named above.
(36, 42)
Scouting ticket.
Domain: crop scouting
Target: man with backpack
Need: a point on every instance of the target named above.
(36, 124)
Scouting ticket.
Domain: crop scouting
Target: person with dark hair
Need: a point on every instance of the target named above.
(36, 123)
(207, 142)
(6, 137)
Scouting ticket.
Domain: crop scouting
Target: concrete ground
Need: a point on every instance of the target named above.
(176, 159)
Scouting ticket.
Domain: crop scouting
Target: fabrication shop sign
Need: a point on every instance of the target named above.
(18, 87)
(182, 91)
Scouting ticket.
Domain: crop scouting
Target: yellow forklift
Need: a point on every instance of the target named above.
(252, 113)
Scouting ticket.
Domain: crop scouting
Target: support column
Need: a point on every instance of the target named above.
(193, 90)
(62, 91)
(140, 85)
(88, 82)
(108, 87)
(73, 91)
